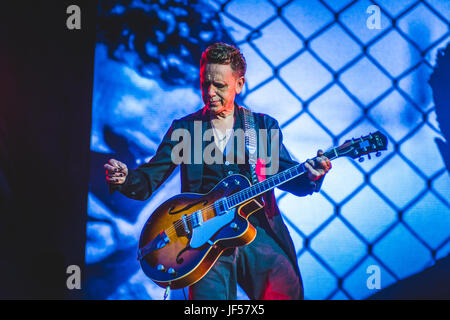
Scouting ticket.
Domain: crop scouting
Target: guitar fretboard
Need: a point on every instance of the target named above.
(272, 182)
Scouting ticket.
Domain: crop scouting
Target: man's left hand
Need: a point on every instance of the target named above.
(318, 166)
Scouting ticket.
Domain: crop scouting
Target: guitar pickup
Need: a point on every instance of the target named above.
(221, 206)
(185, 224)
(196, 219)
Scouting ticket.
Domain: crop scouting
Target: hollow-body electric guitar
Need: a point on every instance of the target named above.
(185, 235)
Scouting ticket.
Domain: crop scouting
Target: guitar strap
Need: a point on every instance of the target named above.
(251, 142)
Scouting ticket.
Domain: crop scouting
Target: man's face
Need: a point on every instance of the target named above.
(219, 86)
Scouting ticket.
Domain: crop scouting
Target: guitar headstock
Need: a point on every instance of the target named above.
(356, 148)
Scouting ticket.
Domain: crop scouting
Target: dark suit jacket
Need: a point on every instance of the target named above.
(143, 181)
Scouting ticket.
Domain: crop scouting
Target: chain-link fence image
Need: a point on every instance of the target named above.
(328, 71)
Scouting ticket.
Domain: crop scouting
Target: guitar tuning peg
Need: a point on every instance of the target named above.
(378, 154)
(361, 159)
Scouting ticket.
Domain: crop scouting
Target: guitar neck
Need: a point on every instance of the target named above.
(243, 196)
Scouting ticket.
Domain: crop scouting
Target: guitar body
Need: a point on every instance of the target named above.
(186, 235)
(177, 247)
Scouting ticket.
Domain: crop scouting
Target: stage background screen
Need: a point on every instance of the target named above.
(327, 71)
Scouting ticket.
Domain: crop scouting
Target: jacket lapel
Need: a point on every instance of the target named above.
(192, 174)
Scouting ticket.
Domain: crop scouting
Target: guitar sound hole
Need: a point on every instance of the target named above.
(185, 208)
(179, 259)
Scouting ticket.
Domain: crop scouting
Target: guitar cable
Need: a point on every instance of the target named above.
(166, 293)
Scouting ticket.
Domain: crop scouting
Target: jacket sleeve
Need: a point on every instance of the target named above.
(300, 186)
(144, 180)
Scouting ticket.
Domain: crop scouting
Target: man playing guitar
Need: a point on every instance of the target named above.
(267, 267)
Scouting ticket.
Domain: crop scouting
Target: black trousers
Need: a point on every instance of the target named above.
(262, 269)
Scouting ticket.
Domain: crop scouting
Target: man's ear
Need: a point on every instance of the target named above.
(240, 84)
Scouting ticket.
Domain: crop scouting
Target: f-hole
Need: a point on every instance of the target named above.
(178, 259)
(170, 211)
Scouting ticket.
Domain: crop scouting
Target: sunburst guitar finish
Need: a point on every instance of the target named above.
(185, 235)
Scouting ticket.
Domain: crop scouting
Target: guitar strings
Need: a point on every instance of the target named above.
(179, 223)
(236, 196)
(172, 229)
(209, 209)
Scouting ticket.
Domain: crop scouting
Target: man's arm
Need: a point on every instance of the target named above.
(141, 182)
(309, 182)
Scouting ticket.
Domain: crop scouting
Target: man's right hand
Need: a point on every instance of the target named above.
(116, 172)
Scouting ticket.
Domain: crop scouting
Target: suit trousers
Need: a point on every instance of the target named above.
(262, 269)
